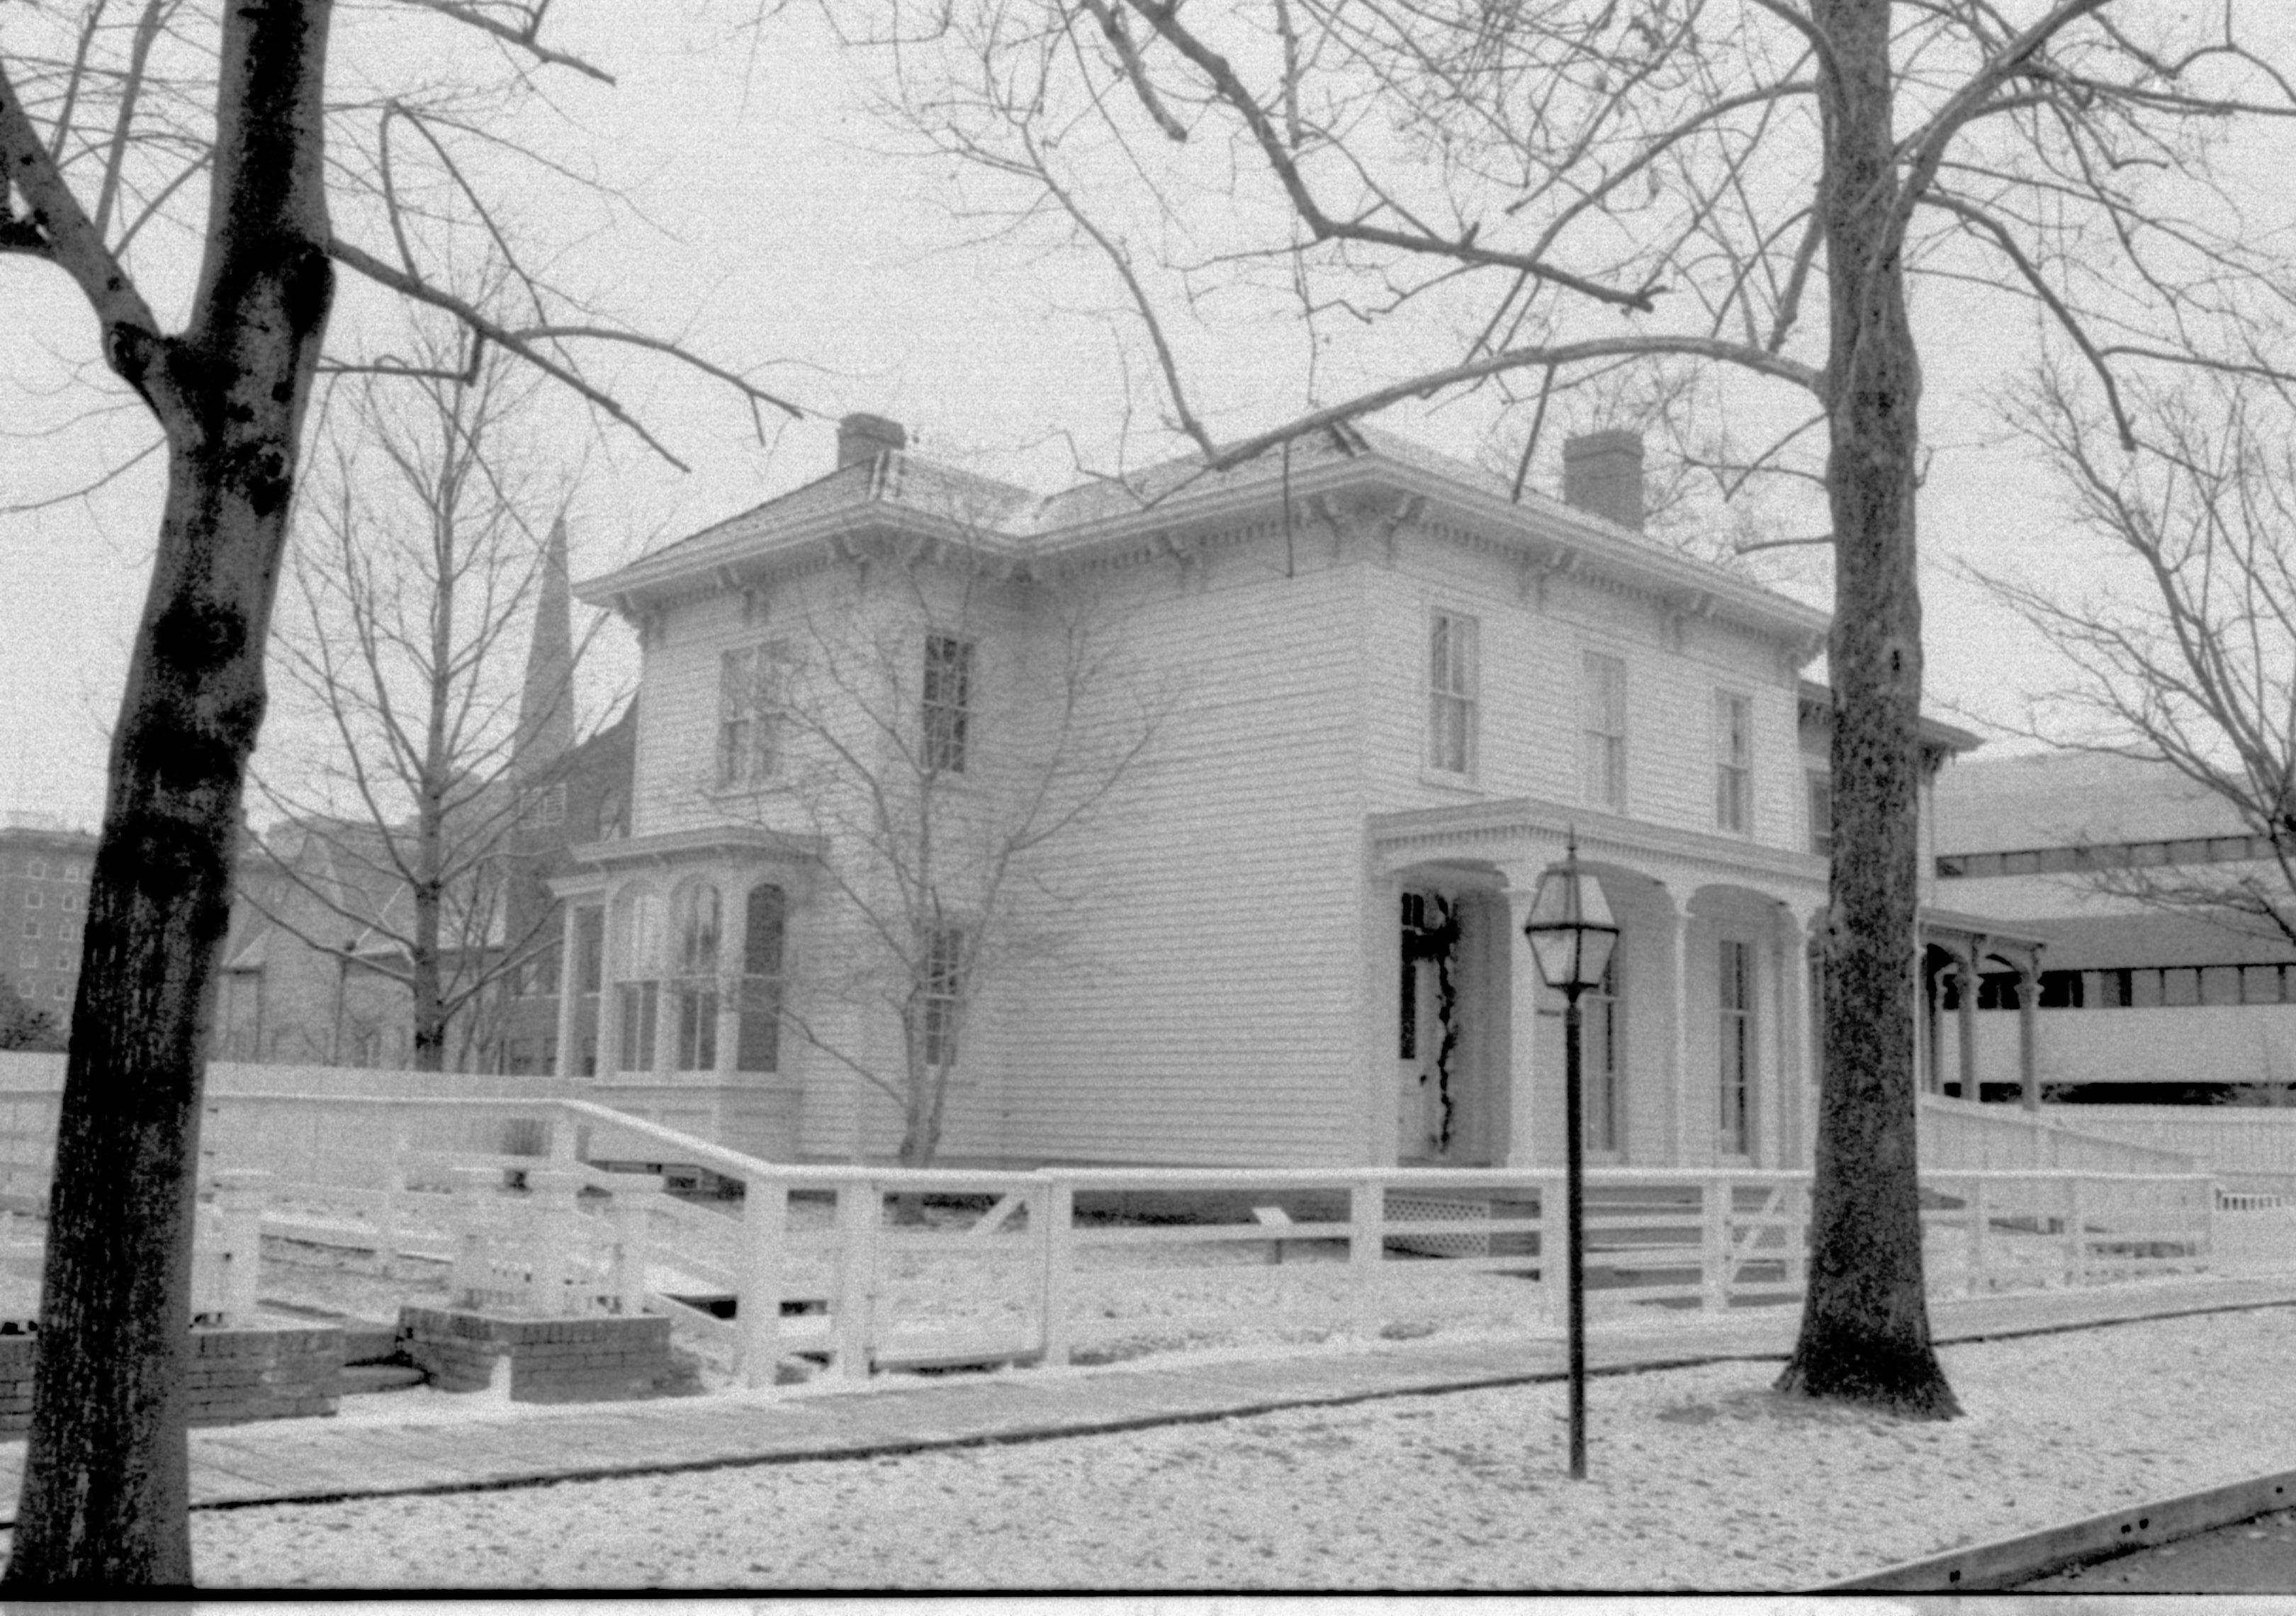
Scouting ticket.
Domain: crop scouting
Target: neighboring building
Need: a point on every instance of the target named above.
(45, 868)
(1953, 942)
(2138, 1003)
(1399, 691)
(283, 1000)
(286, 999)
(587, 801)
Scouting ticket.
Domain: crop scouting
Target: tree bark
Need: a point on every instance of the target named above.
(1865, 1333)
(105, 1491)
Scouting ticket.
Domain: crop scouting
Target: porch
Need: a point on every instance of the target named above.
(1697, 1048)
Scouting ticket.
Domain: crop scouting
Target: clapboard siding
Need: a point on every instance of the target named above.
(1215, 1021)
(1531, 656)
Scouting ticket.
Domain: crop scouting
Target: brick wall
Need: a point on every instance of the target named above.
(234, 1375)
(551, 1360)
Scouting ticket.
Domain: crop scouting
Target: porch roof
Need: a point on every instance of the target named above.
(1528, 828)
(1956, 931)
(593, 861)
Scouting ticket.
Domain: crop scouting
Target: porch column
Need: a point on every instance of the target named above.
(732, 938)
(1924, 1035)
(2029, 994)
(562, 1067)
(610, 999)
(1526, 1116)
(1678, 1051)
(1966, 966)
(1793, 1038)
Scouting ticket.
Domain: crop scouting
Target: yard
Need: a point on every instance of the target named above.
(1702, 1480)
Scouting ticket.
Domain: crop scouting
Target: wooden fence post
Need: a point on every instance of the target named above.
(2208, 1199)
(561, 1134)
(1976, 1284)
(632, 1239)
(394, 1224)
(2076, 1237)
(1366, 1249)
(1553, 1232)
(1056, 1207)
(239, 1212)
(1797, 1235)
(473, 1271)
(1714, 1245)
(858, 1214)
(758, 1283)
(555, 1231)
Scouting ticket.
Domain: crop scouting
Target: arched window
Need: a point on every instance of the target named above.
(765, 922)
(694, 920)
(637, 979)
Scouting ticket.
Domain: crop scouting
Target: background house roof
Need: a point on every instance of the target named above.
(2102, 942)
(2057, 799)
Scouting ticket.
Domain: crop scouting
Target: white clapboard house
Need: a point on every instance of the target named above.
(1377, 693)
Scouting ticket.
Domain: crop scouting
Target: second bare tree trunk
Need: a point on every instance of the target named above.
(1864, 1331)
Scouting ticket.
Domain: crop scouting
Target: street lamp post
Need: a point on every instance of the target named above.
(1571, 935)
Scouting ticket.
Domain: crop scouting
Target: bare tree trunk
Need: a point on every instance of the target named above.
(1864, 1327)
(105, 1484)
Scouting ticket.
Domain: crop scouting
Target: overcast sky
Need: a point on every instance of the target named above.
(763, 223)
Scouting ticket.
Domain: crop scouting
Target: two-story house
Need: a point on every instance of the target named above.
(1393, 690)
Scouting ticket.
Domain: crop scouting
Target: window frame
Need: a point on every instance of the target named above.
(945, 717)
(940, 995)
(1818, 786)
(1603, 730)
(697, 936)
(746, 746)
(1734, 762)
(1452, 668)
(756, 1040)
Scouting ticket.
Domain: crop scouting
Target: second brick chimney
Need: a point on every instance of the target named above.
(1602, 475)
(861, 439)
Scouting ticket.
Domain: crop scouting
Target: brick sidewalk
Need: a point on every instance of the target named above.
(482, 1445)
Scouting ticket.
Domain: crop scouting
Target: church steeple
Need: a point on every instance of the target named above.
(545, 705)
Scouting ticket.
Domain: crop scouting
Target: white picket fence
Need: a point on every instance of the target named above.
(1962, 1135)
(869, 1267)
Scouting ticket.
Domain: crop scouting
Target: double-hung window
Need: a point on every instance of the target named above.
(764, 933)
(750, 680)
(948, 703)
(943, 995)
(1735, 1003)
(1821, 813)
(1603, 680)
(589, 984)
(637, 986)
(1734, 762)
(1451, 677)
(694, 917)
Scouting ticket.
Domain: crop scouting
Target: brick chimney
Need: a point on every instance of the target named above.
(1602, 475)
(861, 439)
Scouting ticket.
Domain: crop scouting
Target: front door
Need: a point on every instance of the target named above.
(1428, 1114)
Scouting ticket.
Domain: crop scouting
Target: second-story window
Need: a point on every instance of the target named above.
(750, 681)
(948, 703)
(1604, 728)
(1821, 814)
(1734, 762)
(1451, 693)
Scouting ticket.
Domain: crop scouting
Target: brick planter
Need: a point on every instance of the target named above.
(551, 1360)
(233, 1375)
